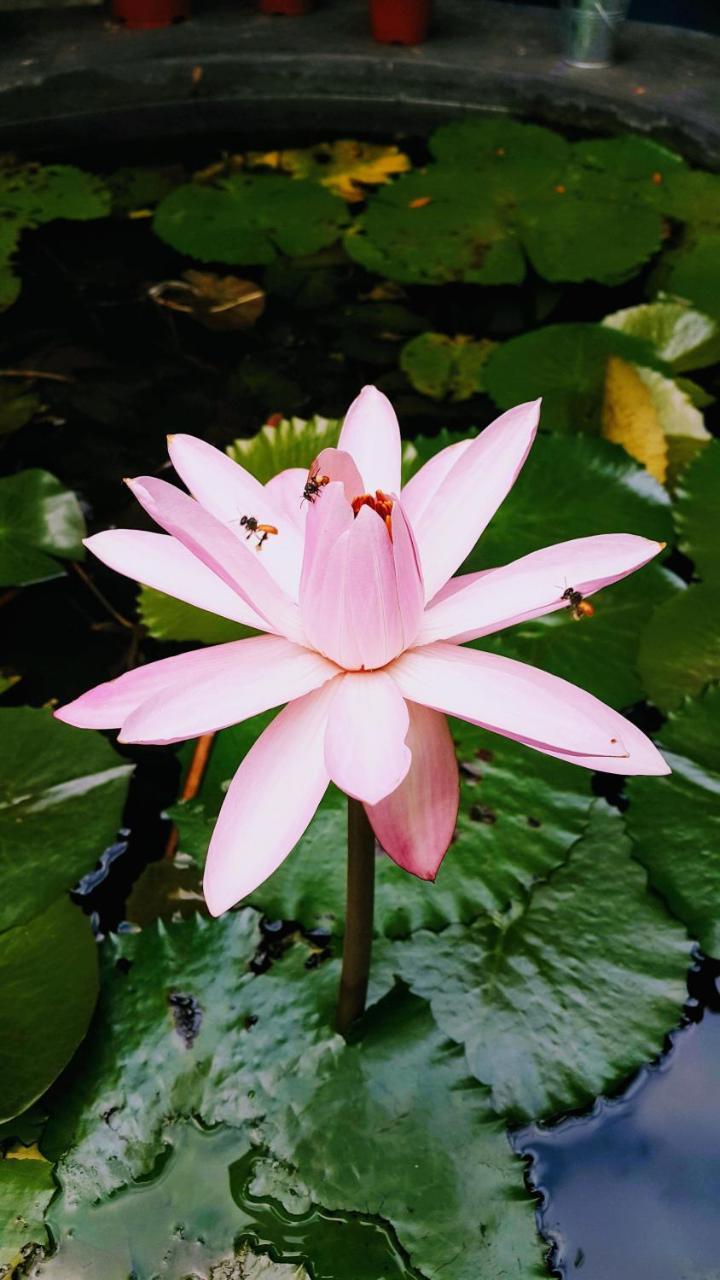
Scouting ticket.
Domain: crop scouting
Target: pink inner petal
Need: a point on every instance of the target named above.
(365, 749)
(418, 495)
(415, 823)
(370, 433)
(338, 465)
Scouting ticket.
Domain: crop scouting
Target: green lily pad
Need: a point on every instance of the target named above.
(134, 188)
(588, 485)
(294, 442)
(17, 407)
(61, 799)
(436, 227)
(40, 523)
(10, 283)
(601, 653)
(517, 159)
(443, 367)
(568, 238)
(593, 961)
(223, 1221)
(565, 364)
(692, 272)
(414, 1140)
(249, 219)
(675, 824)
(682, 337)
(628, 168)
(26, 1189)
(38, 193)
(165, 618)
(679, 650)
(697, 513)
(48, 988)
(520, 812)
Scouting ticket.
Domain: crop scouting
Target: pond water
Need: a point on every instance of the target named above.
(110, 346)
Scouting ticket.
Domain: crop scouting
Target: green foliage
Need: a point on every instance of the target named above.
(683, 338)
(39, 520)
(294, 442)
(26, 1189)
(442, 367)
(692, 272)
(565, 364)
(48, 988)
(249, 219)
(570, 238)
(61, 799)
(675, 821)
(591, 961)
(697, 513)
(166, 618)
(17, 407)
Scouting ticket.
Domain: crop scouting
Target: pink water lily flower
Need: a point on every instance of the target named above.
(364, 630)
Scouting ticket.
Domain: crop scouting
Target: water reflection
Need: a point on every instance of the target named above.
(631, 1191)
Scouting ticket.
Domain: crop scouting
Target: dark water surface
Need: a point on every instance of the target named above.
(632, 1190)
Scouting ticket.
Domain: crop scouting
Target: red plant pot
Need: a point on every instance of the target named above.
(292, 8)
(144, 15)
(400, 21)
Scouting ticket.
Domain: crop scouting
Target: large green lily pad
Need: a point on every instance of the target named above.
(692, 272)
(249, 219)
(40, 523)
(679, 651)
(697, 513)
(61, 799)
(48, 988)
(166, 618)
(675, 821)
(569, 995)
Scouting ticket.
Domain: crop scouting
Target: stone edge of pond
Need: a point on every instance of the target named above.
(70, 78)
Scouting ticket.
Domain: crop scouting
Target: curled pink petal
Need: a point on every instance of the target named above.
(511, 698)
(477, 604)
(270, 801)
(370, 433)
(418, 495)
(415, 823)
(229, 492)
(471, 493)
(338, 465)
(365, 749)
(164, 563)
(245, 678)
(217, 547)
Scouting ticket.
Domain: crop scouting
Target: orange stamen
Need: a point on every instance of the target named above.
(380, 502)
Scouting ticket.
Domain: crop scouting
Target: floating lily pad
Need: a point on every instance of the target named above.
(675, 821)
(17, 407)
(294, 442)
(434, 228)
(697, 513)
(26, 1189)
(166, 618)
(692, 272)
(38, 193)
(679, 650)
(516, 158)
(565, 364)
(568, 238)
(40, 523)
(249, 219)
(443, 367)
(593, 961)
(61, 800)
(48, 988)
(628, 168)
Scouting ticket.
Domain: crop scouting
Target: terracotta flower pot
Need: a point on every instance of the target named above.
(292, 8)
(400, 21)
(143, 15)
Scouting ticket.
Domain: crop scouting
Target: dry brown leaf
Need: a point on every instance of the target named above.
(220, 303)
(344, 167)
(629, 417)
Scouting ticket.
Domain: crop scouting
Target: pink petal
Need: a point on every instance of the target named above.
(511, 698)
(349, 592)
(468, 497)
(165, 564)
(246, 677)
(478, 604)
(365, 750)
(642, 756)
(415, 824)
(228, 492)
(270, 801)
(420, 491)
(408, 572)
(371, 434)
(285, 491)
(218, 548)
(339, 465)
(206, 689)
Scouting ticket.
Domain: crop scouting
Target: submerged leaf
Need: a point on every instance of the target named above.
(443, 367)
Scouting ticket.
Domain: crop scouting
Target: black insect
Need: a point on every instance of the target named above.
(262, 531)
(577, 604)
(314, 484)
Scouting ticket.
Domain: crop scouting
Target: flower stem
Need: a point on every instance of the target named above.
(358, 917)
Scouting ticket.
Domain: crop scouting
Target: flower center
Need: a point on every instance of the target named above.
(380, 502)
